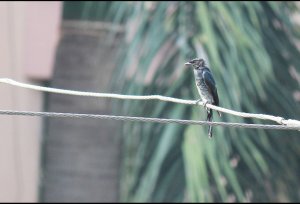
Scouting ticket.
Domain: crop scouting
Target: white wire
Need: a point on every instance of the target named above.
(280, 120)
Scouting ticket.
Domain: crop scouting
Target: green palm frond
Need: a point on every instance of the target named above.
(246, 52)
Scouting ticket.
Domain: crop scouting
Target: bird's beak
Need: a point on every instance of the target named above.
(187, 63)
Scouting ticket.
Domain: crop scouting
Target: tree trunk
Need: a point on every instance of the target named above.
(81, 156)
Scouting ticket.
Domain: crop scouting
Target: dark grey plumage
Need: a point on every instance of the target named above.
(206, 86)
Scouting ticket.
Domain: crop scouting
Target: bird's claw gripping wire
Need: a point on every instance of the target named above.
(205, 105)
(198, 101)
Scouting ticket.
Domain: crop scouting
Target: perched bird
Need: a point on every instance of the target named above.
(206, 87)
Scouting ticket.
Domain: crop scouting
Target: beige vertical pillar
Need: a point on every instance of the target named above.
(28, 36)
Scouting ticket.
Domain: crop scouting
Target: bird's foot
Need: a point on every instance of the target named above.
(205, 105)
(198, 101)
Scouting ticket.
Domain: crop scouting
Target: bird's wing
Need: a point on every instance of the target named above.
(211, 84)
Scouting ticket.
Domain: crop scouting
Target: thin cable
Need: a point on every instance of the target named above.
(280, 120)
(144, 119)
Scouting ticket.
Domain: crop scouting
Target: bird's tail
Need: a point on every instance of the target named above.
(219, 113)
(209, 118)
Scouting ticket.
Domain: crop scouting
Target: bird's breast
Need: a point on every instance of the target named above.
(204, 91)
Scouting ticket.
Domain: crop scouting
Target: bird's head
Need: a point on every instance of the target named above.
(196, 63)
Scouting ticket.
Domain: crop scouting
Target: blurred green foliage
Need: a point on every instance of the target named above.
(85, 10)
(250, 47)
